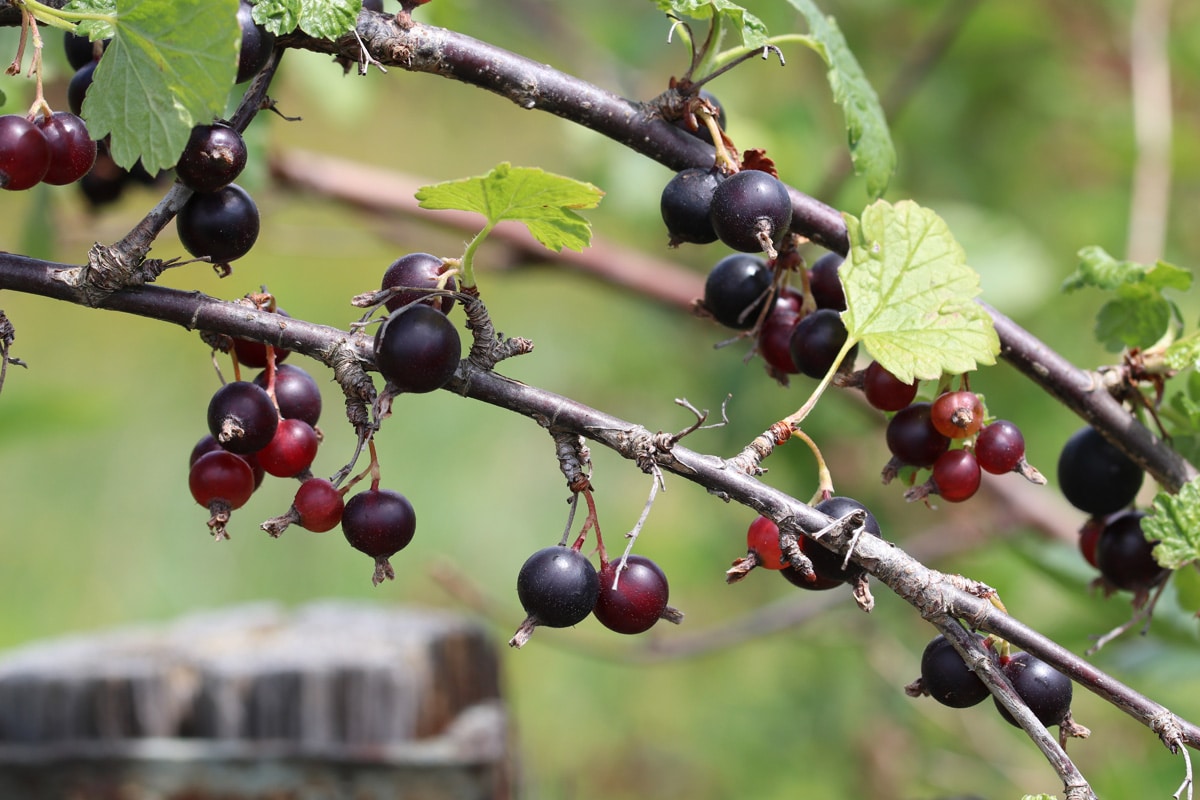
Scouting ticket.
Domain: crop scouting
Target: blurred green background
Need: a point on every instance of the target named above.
(1020, 134)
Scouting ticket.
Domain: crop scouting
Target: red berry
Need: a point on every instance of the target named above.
(957, 415)
(24, 153)
(72, 149)
(319, 505)
(639, 599)
(956, 475)
(221, 477)
(762, 539)
(885, 391)
(291, 450)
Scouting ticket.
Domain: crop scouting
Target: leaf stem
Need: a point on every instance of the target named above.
(57, 18)
(795, 419)
(467, 265)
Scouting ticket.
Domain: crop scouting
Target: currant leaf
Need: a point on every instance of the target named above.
(910, 294)
(101, 27)
(871, 148)
(1099, 270)
(181, 59)
(278, 16)
(541, 201)
(324, 19)
(1174, 521)
(732, 16)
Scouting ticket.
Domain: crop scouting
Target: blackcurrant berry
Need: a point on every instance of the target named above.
(1044, 689)
(257, 43)
(947, 678)
(737, 289)
(221, 225)
(296, 392)
(826, 564)
(957, 415)
(824, 283)
(1000, 447)
(380, 523)
(1124, 556)
(776, 332)
(77, 89)
(956, 475)
(242, 417)
(80, 50)
(685, 204)
(319, 505)
(24, 153)
(558, 587)
(816, 341)
(254, 354)
(72, 150)
(885, 391)
(417, 271)
(372, 5)
(417, 348)
(912, 439)
(220, 476)
(291, 450)
(1095, 476)
(208, 444)
(639, 599)
(105, 183)
(751, 211)
(213, 158)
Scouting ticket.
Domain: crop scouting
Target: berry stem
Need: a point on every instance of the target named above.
(795, 419)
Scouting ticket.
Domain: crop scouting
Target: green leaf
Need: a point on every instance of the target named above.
(749, 27)
(1137, 317)
(324, 19)
(1187, 588)
(94, 29)
(169, 67)
(871, 148)
(1184, 353)
(540, 200)
(1174, 522)
(1099, 270)
(910, 294)
(278, 16)
(1039, 797)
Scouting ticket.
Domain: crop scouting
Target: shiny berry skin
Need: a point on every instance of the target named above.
(24, 153)
(1089, 535)
(827, 565)
(77, 89)
(222, 225)
(72, 150)
(80, 50)
(825, 284)
(242, 417)
(885, 391)
(319, 505)
(957, 415)
(748, 204)
(254, 354)
(1123, 555)
(296, 392)
(947, 678)
(558, 587)
(1000, 447)
(380, 523)
(762, 539)
(1044, 689)
(221, 477)
(208, 444)
(291, 450)
(419, 271)
(956, 475)
(736, 290)
(639, 599)
(1095, 476)
(417, 349)
(685, 203)
(816, 341)
(912, 439)
(776, 332)
(257, 43)
(212, 159)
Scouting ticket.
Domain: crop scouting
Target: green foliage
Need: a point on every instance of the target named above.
(1174, 521)
(98, 17)
(323, 19)
(1139, 315)
(180, 60)
(910, 294)
(724, 14)
(871, 148)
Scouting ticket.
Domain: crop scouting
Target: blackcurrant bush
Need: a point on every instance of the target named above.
(685, 204)
(558, 587)
(296, 393)
(1095, 476)
(291, 450)
(72, 150)
(1044, 689)
(816, 341)
(737, 289)
(221, 225)
(257, 43)
(826, 564)
(751, 211)
(417, 348)
(1125, 557)
(912, 439)
(213, 158)
(1000, 447)
(885, 391)
(956, 475)
(319, 505)
(824, 283)
(957, 415)
(380, 523)
(242, 417)
(24, 153)
(639, 599)
(947, 678)
(417, 271)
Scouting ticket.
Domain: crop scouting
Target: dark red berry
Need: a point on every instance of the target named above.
(639, 599)
(24, 153)
(72, 149)
(885, 391)
(1125, 557)
(956, 475)
(212, 159)
(296, 392)
(912, 438)
(254, 354)
(825, 284)
(291, 450)
(257, 43)
(319, 505)
(208, 444)
(380, 523)
(1000, 447)
(816, 342)
(242, 417)
(417, 271)
(221, 477)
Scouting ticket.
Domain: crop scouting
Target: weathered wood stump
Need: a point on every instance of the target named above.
(328, 701)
